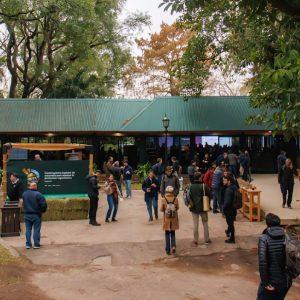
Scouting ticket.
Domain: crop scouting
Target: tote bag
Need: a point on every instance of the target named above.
(206, 204)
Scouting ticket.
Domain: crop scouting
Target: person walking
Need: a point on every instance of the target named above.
(192, 168)
(128, 172)
(169, 207)
(229, 210)
(197, 190)
(150, 187)
(93, 194)
(286, 181)
(281, 158)
(275, 280)
(112, 194)
(217, 189)
(169, 179)
(245, 166)
(15, 188)
(34, 205)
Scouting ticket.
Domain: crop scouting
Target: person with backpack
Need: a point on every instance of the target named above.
(150, 186)
(229, 207)
(169, 179)
(34, 205)
(198, 191)
(170, 206)
(286, 181)
(275, 280)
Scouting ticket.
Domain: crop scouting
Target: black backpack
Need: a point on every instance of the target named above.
(238, 199)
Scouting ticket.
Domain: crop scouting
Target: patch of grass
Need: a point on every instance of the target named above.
(5, 256)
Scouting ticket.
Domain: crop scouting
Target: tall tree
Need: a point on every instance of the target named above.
(262, 36)
(161, 66)
(48, 43)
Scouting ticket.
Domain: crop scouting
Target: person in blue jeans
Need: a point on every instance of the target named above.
(217, 189)
(34, 204)
(150, 187)
(113, 193)
(128, 171)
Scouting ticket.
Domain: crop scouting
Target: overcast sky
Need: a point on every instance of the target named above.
(158, 15)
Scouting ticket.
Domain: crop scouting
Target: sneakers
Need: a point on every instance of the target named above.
(36, 247)
(194, 244)
(114, 220)
(94, 223)
(107, 221)
(208, 242)
(230, 241)
(28, 247)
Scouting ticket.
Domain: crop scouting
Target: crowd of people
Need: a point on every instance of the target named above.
(210, 181)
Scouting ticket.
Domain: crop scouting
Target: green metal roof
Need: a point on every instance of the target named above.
(67, 115)
(203, 114)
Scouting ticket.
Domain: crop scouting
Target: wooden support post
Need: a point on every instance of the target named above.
(91, 163)
(4, 177)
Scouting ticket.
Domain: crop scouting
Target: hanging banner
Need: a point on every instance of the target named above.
(53, 177)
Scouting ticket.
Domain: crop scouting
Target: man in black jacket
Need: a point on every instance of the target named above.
(93, 193)
(286, 181)
(228, 207)
(275, 280)
(15, 188)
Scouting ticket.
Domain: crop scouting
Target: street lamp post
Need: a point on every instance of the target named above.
(166, 123)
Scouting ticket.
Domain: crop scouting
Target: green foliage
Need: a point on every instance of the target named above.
(65, 48)
(142, 171)
(258, 36)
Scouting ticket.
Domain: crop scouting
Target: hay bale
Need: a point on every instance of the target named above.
(66, 209)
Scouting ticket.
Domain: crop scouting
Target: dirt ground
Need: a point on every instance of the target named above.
(126, 260)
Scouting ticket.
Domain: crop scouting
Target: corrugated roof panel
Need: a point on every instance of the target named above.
(195, 114)
(63, 115)
(124, 115)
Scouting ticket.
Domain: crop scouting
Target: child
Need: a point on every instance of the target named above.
(169, 207)
(150, 187)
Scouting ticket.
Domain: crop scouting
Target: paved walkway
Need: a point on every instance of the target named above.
(126, 260)
(271, 199)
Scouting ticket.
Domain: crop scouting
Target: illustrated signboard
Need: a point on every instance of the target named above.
(52, 177)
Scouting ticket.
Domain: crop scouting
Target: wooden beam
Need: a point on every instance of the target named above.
(91, 163)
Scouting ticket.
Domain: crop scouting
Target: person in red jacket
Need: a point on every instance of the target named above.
(207, 179)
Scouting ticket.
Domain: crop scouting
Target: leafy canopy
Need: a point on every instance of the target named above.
(61, 48)
(262, 36)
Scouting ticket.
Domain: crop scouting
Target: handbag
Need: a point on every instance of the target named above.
(206, 204)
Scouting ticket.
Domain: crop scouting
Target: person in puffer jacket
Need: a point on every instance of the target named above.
(275, 280)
